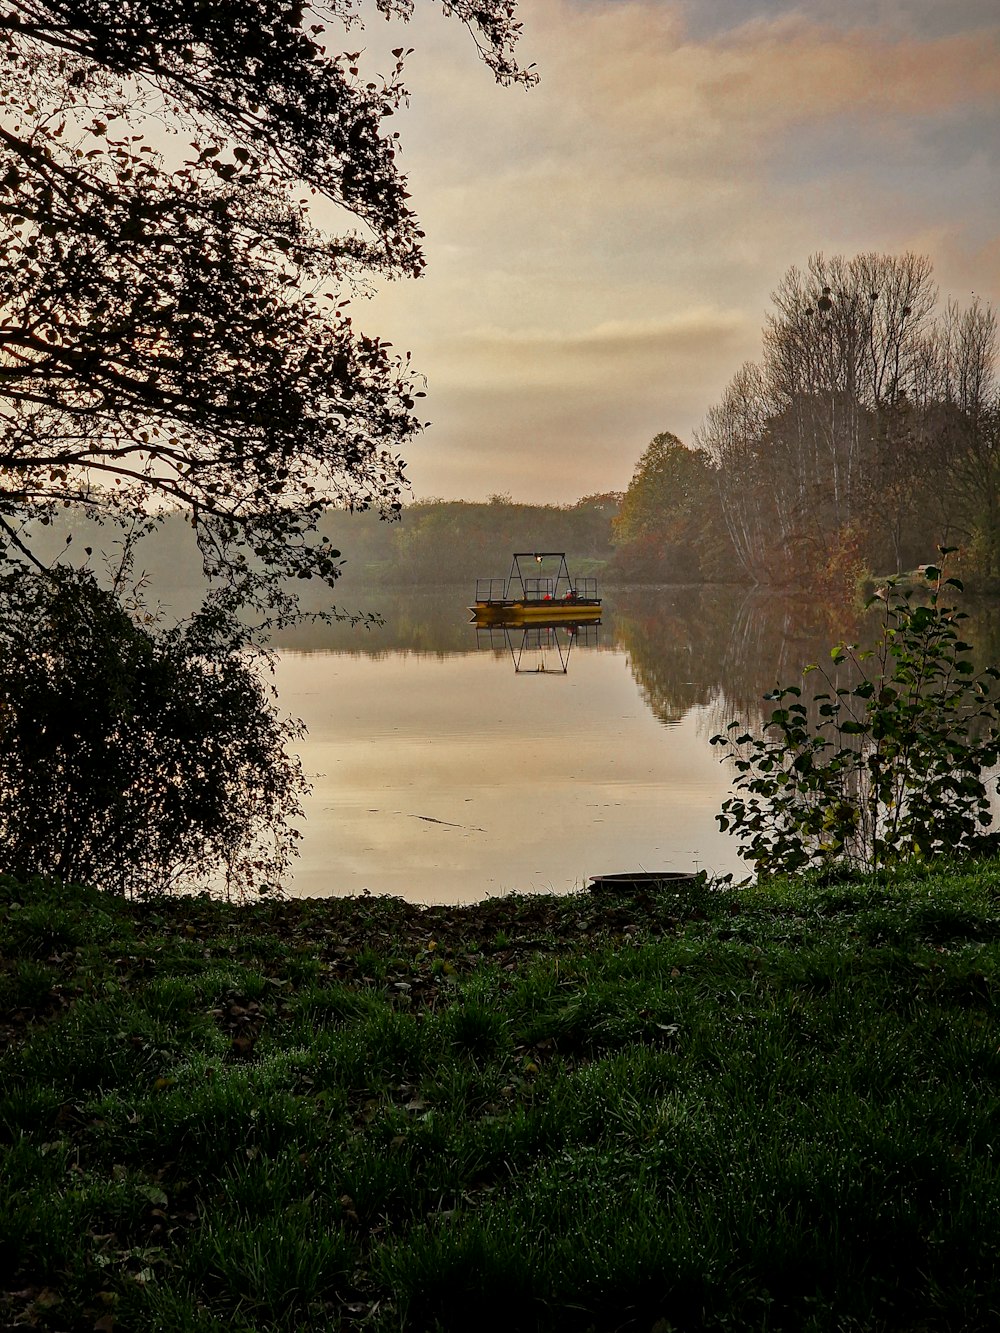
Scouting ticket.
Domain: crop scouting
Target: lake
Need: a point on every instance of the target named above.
(440, 773)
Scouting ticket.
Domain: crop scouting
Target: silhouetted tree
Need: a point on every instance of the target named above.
(175, 327)
(132, 758)
(965, 417)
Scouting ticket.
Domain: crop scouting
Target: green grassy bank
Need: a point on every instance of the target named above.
(768, 1109)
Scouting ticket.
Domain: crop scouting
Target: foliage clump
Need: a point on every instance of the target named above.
(671, 528)
(134, 758)
(889, 766)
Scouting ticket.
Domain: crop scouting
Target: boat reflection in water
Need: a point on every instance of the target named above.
(540, 646)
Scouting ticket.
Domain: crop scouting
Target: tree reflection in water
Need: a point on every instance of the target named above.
(720, 647)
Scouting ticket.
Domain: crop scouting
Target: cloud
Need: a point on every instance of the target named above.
(601, 249)
(926, 18)
(774, 75)
(569, 358)
(631, 84)
(554, 415)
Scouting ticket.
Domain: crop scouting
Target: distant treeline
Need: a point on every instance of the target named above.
(452, 541)
(433, 541)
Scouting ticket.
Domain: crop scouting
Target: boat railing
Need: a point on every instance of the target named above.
(542, 589)
(539, 590)
(491, 590)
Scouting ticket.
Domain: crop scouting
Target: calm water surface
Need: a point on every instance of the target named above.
(441, 775)
(447, 779)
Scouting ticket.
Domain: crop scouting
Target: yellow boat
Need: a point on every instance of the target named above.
(541, 591)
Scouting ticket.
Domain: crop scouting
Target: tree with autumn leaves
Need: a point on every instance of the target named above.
(866, 436)
(670, 527)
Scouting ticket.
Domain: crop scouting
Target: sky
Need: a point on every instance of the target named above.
(602, 248)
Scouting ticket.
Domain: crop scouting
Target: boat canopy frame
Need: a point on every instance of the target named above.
(536, 585)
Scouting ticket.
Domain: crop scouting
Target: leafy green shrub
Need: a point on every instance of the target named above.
(881, 770)
(135, 759)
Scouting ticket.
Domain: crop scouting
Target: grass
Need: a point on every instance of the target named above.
(765, 1109)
